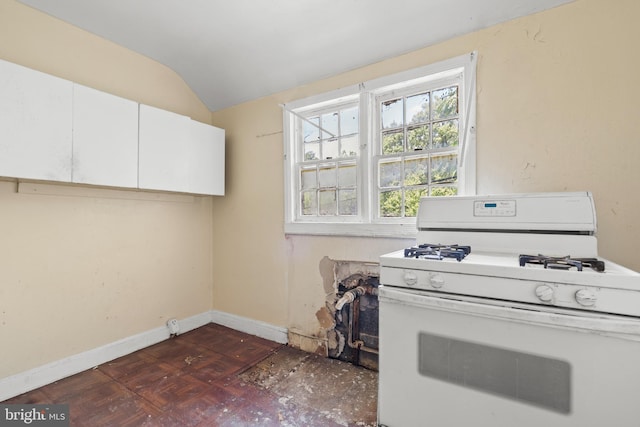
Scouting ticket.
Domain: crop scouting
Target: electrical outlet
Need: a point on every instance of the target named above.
(173, 326)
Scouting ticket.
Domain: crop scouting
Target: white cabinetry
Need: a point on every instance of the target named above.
(164, 162)
(35, 124)
(179, 154)
(206, 165)
(54, 130)
(105, 139)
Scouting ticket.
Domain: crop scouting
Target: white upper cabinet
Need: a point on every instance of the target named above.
(54, 130)
(105, 139)
(35, 124)
(206, 166)
(179, 154)
(164, 161)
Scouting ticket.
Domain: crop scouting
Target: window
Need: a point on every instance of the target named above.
(358, 160)
(328, 166)
(418, 133)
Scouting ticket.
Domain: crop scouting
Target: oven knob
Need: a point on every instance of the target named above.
(410, 278)
(544, 293)
(586, 297)
(436, 280)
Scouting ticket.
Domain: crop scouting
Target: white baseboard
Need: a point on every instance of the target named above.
(250, 326)
(34, 378)
(46, 374)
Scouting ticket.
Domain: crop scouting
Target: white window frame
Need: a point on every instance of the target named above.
(367, 224)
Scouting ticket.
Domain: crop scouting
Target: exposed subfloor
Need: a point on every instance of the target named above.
(216, 376)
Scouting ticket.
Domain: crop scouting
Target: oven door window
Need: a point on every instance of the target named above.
(538, 380)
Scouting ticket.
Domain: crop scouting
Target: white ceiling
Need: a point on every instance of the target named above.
(234, 51)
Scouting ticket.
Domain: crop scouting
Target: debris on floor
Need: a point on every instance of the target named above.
(341, 391)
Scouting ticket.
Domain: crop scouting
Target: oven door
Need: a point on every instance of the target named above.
(456, 361)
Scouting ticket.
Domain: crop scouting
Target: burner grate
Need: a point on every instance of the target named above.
(438, 252)
(562, 263)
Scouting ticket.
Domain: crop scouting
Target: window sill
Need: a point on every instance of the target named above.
(400, 231)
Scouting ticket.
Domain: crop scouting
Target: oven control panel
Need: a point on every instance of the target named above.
(562, 295)
(494, 208)
(566, 212)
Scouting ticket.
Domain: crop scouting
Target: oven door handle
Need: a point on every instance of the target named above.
(589, 322)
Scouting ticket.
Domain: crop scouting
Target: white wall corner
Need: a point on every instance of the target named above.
(250, 326)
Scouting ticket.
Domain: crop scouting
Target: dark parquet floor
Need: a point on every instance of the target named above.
(216, 376)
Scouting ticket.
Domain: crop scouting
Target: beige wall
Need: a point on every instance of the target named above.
(557, 95)
(83, 267)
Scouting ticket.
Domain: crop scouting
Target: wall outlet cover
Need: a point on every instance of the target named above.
(173, 326)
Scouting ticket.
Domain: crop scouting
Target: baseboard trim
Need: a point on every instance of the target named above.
(46, 374)
(23, 382)
(250, 326)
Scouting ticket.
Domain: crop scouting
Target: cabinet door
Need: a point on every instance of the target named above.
(105, 139)
(35, 124)
(163, 150)
(206, 168)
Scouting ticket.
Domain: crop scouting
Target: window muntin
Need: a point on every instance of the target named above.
(414, 136)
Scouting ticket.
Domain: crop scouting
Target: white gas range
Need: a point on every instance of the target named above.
(503, 314)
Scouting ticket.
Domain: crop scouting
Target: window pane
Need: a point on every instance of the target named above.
(308, 179)
(444, 168)
(418, 108)
(347, 176)
(327, 176)
(335, 136)
(416, 171)
(309, 203)
(349, 121)
(444, 191)
(391, 114)
(349, 146)
(311, 151)
(392, 142)
(347, 202)
(310, 133)
(330, 148)
(328, 202)
(445, 134)
(329, 125)
(412, 200)
(391, 203)
(418, 138)
(445, 103)
(390, 173)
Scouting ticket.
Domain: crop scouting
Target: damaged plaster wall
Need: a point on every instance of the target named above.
(313, 296)
(354, 335)
(334, 272)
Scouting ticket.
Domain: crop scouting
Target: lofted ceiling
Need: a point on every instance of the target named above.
(234, 51)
